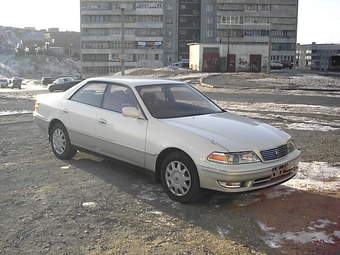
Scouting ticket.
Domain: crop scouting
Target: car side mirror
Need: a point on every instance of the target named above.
(132, 112)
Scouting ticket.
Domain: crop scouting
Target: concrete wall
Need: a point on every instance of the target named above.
(195, 58)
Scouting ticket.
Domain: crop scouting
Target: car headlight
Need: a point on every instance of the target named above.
(290, 146)
(234, 158)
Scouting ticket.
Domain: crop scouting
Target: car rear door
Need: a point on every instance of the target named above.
(118, 136)
(79, 114)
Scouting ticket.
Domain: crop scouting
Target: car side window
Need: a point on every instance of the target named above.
(90, 94)
(117, 97)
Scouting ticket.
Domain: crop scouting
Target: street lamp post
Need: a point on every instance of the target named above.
(122, 57)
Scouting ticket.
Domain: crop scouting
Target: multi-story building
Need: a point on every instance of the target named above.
(157, 32)
(315, 56)
(69, 41)
(187, 21)
(118, 35)
(260, 22)
(230, 22)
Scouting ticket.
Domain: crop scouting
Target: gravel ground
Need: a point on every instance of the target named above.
(90, 205)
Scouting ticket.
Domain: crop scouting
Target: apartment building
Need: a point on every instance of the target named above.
(185, 22)
(316, 56)
(258, 22)
(119, 35)
(158, 32)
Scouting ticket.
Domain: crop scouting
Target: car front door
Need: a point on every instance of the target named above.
(118, 136)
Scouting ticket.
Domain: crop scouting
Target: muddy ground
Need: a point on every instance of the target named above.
(91, 205)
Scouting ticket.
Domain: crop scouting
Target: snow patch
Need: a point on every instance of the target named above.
(274, 240)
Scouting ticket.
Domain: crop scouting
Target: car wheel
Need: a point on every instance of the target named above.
(180, 178)
(50, 89)
(63, 88)
(61, 144)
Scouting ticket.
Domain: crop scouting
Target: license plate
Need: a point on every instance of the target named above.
(278, 171)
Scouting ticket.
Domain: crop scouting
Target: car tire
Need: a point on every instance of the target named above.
(180, 179)
(50, 89)
(61, 143)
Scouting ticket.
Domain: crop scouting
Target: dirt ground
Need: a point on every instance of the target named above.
(91, 205)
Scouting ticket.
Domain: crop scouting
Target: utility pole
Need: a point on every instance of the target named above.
(269, 54)
(69, 57)
(122, 57)
(228, 60)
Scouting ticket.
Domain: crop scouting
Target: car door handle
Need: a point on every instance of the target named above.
(65, 110)
(102, 121)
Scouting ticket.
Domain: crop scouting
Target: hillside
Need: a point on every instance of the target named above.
(34, 67)
(31, 66)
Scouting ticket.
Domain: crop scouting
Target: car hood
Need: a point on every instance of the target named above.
(232, 132)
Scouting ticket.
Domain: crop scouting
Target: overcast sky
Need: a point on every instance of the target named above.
(319, 20)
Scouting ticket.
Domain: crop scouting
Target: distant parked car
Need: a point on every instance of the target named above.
(287, 64)
(183, 63)
(46, 80)
(16, 82)
(276, 65)
(63, 83)
(3, 83)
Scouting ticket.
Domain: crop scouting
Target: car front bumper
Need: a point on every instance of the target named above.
(249, 176)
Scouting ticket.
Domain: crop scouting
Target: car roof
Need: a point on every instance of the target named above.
(134, 81)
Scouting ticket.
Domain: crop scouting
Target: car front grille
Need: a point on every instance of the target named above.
(274, 153)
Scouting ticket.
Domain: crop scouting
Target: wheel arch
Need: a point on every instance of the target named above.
(52, 123)
(161, 158)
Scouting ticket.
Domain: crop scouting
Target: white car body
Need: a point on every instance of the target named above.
(138, 137)
(3, 83)
(276, 65)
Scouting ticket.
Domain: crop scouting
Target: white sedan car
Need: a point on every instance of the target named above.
(170, 129)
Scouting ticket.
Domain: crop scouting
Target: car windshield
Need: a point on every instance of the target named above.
(173, 101)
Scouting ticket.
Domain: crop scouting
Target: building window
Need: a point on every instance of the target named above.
(169, 32)
(194, 24)
(196, 12)
(264, 7)
(148, 6)
(156, 56)
(210, 8)
(209, 33)
(210, 20)
(182, 19)
(182, 6)
(169, 20)
(169, 7)
(283, 46)
(142, 56)
(250, 7)
(182, 45)
(230, 20)
(169, 45)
